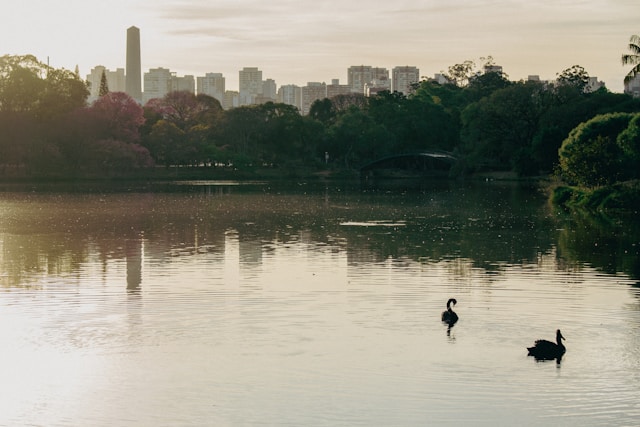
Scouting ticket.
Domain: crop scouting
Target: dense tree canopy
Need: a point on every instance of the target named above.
(29, 86)
(488, 122)
(591, 155)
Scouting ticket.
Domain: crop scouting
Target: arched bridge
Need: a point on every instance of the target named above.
(424, 163)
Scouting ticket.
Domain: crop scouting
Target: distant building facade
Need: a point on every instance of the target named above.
(440, 79)
(374, 88)
(250, 85)
(335, 89)
(492, 68)
(379, 83)
(212, 84)
(231, 99)
(290, 95)
(269, 90)
(157, 83)
(380, 77)
(312, 92)
(632, 87)
(402, 79)
(594, 84)
(366, 79)
(185, 83)
(358, 76)
(160, 81)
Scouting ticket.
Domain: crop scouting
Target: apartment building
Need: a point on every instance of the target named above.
(358, 76)
(250, 85)
(157, 83)
(269, 90)
(312, 92)
(212, 84)
(335, 89)
(402, 79)
(231, 99)
(186, 83)
(291, 95)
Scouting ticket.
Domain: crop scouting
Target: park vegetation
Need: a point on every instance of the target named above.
(588, 139)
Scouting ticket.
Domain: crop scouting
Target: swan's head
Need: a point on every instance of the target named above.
(559, 336)
(452, 301)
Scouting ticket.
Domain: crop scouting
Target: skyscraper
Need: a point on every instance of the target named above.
(134, 67)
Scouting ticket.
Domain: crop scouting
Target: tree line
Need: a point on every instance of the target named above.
(487, 121)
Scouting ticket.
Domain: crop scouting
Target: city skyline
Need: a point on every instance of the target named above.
(296, 42)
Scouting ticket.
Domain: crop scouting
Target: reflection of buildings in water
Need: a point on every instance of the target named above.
(134, 251)
(250, 252)
(231, 275)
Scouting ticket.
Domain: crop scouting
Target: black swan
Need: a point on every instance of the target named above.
(449, 316)
(547, 350)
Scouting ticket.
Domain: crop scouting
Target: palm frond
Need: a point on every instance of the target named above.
(633, 58)
(635, 71)
(634, 44)
(634, 48)
(630, 59)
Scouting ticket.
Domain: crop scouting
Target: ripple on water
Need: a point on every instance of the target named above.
(320, 336)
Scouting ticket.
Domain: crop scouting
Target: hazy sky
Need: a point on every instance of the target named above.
(298, 41)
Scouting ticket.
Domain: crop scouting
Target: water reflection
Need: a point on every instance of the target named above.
(133, 253)
(492, 227)
(610, 244)
(188, 305)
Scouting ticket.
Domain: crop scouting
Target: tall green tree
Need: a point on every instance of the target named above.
(21, 83)
(632, 58)
(104, 86)
(461, 74)
(575, 76)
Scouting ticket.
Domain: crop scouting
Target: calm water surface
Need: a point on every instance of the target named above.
(220, 304)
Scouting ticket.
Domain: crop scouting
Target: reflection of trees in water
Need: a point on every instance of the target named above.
(608, 244)
(489, 226)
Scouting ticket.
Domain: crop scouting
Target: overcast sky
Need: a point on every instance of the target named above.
(299, 41)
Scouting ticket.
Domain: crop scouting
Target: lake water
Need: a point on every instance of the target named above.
(241, 304)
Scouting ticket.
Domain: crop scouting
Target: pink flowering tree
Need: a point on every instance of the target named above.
(118, 116)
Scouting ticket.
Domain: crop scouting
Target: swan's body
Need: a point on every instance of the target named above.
(449, 316)
(547, 350)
